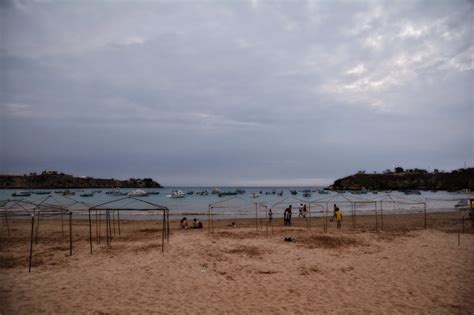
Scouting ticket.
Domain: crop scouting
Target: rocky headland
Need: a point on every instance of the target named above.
(55, 180)
(401, 179)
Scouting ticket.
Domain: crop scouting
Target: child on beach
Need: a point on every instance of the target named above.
(197, 224)
(338, 216)
(300, 215)
(184, 223)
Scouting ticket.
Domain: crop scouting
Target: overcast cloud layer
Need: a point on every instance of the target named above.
(235, 92)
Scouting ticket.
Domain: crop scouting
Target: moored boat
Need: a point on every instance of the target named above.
(176, 194)
(21, 194)
(87, 194)
(42, 192)
(137, 193)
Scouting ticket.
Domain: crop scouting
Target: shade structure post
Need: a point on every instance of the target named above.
(107, 224)
(62, 224)
(31, 241)
(309, 216)
(37, 227)
(6, 221)
(168, 231)
(425, 214)
(163, 233)
(354, 209)
(90, 229)
(256, 216)
(118, 221)
(326, 218)
(381, 214)
(459, 238)
(376, 219)
(209, 219)
(98, 233)
(70, 233)
(212, 220)
(113, 220)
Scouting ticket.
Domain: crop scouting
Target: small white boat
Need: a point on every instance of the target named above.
(176, 194)
(255, 195)
(137, 193)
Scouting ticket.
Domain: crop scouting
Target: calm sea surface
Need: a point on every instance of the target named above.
(194, 205)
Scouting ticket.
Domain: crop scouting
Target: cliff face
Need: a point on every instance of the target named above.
(54, 180)
(456, 180)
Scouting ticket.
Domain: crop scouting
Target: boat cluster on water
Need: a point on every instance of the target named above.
(116, 192)
(91, 193)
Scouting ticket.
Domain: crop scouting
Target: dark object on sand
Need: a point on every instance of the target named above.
(288, 239)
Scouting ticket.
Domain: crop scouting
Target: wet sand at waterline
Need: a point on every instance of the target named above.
(248, 268)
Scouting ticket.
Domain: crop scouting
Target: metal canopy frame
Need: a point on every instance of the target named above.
(108, 210)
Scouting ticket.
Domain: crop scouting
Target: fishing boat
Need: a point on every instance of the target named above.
(42, 192)
(412, 192)
(255, 195)
(216, 191)
(280, 193)
(21, 194)
(293, 192)
(176, 194)
(155, 192)
(323, 192)
(116, 192)
(228, 193)
(307, 194)
(87, 194)
(137, 193)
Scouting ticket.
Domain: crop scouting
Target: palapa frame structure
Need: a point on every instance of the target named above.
(242, 203)
(126, 204)
(10, 209)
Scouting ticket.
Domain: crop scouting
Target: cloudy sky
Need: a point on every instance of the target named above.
(235, 92)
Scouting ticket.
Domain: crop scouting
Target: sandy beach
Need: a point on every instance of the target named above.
(245, 269)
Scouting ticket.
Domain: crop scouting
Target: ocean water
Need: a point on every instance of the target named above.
(244, 205)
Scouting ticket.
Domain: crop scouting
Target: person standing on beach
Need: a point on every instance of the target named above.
(338, 217)
(270, 216)
(334, 213)
(289, 215)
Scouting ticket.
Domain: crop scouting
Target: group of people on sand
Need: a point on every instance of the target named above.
(183, 224)
(337, 215)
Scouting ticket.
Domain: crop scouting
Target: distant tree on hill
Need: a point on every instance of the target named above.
(399, 169)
